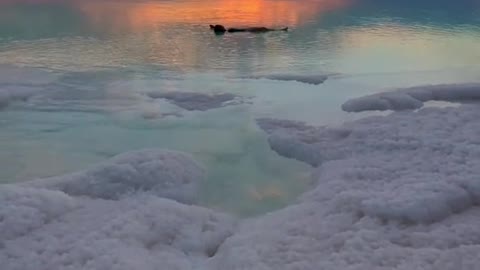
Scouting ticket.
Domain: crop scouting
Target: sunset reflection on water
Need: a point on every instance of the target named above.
(138, 15)
(333, 36)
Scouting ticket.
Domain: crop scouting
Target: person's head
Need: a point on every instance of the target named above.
(218, 29)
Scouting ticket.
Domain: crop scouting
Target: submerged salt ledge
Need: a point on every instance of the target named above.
(13, 93)
(19, 84)
(193, 101)
(392, 192)
(414, 97)
(308, 79)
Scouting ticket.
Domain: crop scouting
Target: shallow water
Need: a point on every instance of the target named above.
(91, 64)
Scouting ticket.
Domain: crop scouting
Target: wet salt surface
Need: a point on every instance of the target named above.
(60, 122)
(74, 121)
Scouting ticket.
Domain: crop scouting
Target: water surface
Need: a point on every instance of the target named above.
(91, 65)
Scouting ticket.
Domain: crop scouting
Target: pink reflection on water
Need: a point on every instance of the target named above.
(138, 15)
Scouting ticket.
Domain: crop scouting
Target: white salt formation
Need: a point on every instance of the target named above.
(391, 192)
(43, 229)
(394, 192)
(145, 233)
(414, 97)
(166, 174)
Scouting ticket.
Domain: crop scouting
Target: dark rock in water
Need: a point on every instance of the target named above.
(192, 101)
(309, 79)
(219, 29)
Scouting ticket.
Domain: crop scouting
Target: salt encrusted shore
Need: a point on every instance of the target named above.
(391, 192)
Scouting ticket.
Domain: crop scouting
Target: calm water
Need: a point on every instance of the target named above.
(90, 64)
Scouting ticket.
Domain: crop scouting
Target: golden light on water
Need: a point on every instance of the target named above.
(227, 12)
(161, 24)
(172, 33)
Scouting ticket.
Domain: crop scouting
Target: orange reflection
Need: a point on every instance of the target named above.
(135, 16)
(266, 193)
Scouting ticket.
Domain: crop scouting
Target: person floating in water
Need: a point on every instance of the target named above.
(220, 29)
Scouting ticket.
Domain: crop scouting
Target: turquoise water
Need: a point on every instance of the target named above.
(91, 64)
